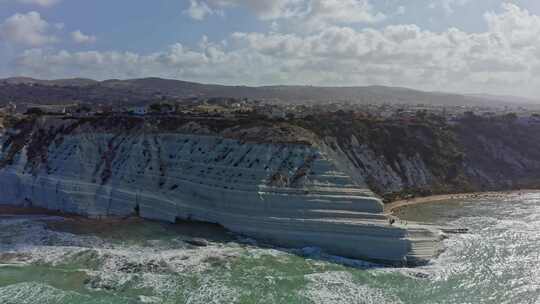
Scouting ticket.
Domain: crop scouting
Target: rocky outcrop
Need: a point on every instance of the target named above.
(311, 182)
(278, 182)
(399, 159)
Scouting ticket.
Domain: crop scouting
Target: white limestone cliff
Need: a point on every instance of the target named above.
(255, 181)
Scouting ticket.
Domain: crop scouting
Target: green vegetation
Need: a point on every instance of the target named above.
(476, 154)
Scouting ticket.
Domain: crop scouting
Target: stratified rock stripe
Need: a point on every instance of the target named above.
(288, 194)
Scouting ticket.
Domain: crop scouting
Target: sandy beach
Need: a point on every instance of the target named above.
(392, 207)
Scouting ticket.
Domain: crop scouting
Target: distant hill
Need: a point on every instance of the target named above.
(58, 82)
(147, 90)
(504, 98)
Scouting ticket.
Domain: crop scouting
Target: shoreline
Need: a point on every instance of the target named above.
(390, 208)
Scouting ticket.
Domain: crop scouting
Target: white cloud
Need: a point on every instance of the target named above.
(264, 9)
(448, 5)
(44, 3)
(314, 12)
(26, 29)
(515, 26)
(199, 10)
(503, 59)
(344, 11)
(178, 61)
(80, 37)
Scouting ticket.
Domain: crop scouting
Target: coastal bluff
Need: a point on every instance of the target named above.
(279, 183)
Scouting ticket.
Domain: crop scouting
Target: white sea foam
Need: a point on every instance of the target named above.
(211, 291)
(32, 293)
(150, 300)
(113, 266)
(498, 259)
(340, 287)
(497, 262)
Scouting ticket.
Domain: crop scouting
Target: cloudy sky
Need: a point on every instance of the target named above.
(476, 46)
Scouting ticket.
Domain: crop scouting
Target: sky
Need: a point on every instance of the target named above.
(464, 46)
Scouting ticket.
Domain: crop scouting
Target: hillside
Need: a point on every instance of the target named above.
(144, 91)
(430, 156)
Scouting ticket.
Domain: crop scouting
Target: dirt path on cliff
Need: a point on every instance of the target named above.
(392, 207)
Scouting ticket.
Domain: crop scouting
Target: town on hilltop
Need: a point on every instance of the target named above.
(228, 108)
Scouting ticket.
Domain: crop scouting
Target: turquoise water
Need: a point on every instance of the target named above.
(45, 259)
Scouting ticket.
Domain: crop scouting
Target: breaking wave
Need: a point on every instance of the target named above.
(45, 259)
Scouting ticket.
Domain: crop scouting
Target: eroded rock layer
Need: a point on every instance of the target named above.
(275, 183)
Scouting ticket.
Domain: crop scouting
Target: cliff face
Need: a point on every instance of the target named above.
(400, 159)
(274, 182)
(307, 183)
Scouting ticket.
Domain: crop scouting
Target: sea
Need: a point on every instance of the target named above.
(54, 259)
